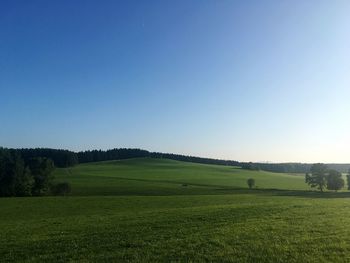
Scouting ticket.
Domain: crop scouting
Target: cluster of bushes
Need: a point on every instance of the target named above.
(24, 177)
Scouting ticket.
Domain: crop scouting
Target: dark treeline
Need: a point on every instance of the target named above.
(114, 154)
(193, 159)
(124, 153)
(278, 167)
(291, 167)
(343, 168)
(61, 158)
(65, 158)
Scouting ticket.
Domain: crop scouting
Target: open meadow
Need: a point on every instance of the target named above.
(147, 210)
(174, 131)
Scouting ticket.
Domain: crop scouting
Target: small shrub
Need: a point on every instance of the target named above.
(251, 183)
(61, 189)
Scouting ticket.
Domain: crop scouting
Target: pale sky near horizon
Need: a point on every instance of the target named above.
(241, 80)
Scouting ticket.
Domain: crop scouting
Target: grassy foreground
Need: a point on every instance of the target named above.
(142, 211)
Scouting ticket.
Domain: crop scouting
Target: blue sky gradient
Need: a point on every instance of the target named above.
(244, 80)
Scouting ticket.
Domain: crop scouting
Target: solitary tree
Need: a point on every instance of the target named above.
(251, 183)
(318, 176)
(334, 180)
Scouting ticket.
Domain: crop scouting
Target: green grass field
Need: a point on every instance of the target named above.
(146, 176)
(152, 210)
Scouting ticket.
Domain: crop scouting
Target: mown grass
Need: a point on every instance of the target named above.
(139, 211)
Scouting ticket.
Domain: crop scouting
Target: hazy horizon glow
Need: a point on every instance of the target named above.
(241, 80)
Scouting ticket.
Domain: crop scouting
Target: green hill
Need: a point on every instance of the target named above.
(147, 176)
(154, 210)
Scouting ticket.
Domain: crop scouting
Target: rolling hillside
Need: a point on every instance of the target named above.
(147, 176)
(154, 210)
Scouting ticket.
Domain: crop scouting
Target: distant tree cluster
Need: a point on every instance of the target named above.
(321, 177)
(277, 167)
(290, 167)
(250, 166)
(24, 178)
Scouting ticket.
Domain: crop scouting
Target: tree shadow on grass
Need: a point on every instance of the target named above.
(314, 194)
(294, 193)
(302, 193)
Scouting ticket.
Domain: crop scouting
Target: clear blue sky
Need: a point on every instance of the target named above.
(244, 80)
